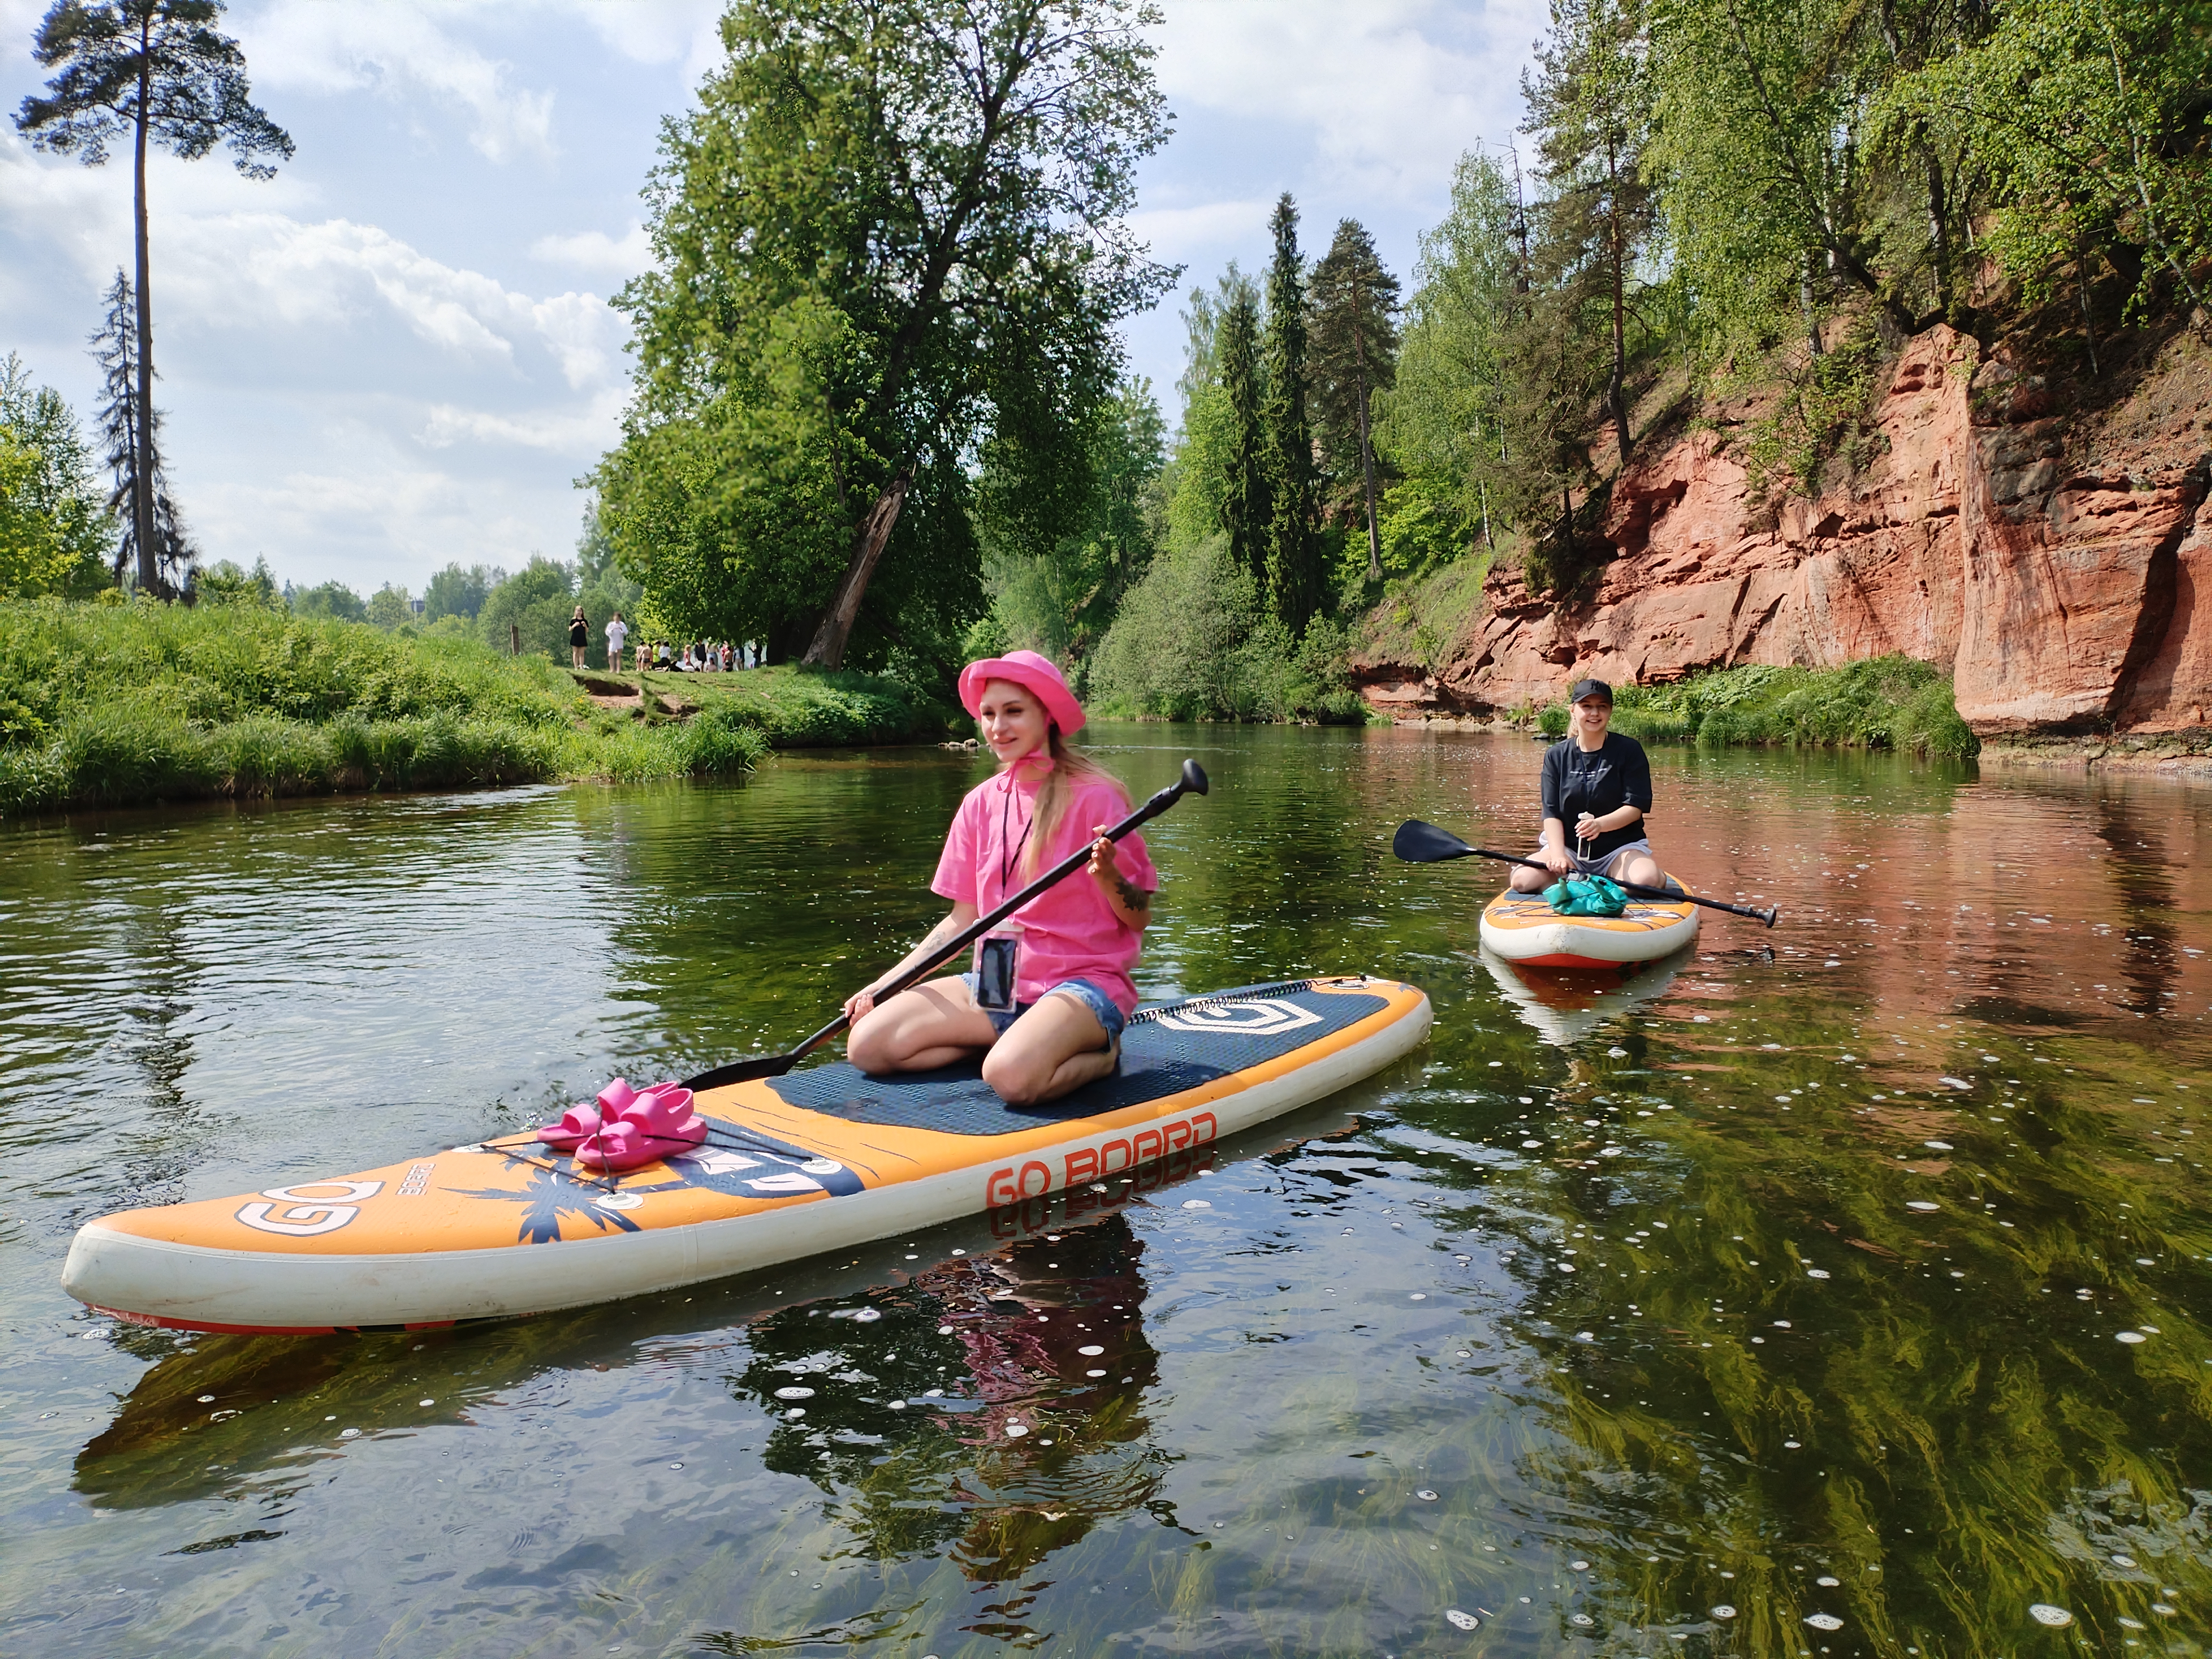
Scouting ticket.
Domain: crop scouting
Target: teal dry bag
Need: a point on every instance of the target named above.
(1586, 896)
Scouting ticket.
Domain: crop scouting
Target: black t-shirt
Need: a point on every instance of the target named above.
(579, 631)
(1613, 775)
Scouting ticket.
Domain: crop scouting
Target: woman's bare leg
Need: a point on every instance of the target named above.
(1526, 880)
(1056, 1046)
(917, 1031)
(1641, 871)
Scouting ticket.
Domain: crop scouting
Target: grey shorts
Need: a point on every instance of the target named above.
(1604, 866)
(1102, 1007)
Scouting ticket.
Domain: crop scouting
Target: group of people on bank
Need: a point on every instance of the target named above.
(699, 657)
(1045, 998)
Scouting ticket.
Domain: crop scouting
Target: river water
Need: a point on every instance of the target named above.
(1838, 1289)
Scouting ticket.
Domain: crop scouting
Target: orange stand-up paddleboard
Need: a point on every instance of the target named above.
(1524, 929)
(810, 1161)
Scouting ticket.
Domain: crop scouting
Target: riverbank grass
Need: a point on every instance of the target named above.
(116, 705)
(1882, 702)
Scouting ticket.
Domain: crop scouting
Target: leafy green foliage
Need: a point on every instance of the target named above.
(458, 592)
(1882, 702)
(1427, 617)
(1442, 424)
(103, 703)
(1196, 640)
(534, 602)
(1817, 414)
(1057, 580)
(332, 600)
(53, 527)
(1590, 106)
(1246, 491)
(227, 582)
(2090, 122)
(388, 607)
(892, 231)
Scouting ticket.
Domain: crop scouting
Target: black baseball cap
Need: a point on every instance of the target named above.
(1590, 688)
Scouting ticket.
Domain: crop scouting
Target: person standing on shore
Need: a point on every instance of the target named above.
(1050, 993)
(1601, 782)
(580, 636)
(617, 635)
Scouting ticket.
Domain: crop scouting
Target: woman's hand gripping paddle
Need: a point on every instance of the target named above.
(1416, 842)
(1193, 782)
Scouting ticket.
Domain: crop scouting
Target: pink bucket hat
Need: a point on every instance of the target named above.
(1029, 670)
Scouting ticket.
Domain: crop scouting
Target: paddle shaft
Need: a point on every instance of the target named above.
(776, 1064)
(1637, 888)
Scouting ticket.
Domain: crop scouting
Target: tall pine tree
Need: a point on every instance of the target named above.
(161, 558)
(1295, 584)
(1352, 330)
(1248, 506)
(154, 72)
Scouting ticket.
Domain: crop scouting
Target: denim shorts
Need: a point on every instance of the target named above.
(1102, 1007)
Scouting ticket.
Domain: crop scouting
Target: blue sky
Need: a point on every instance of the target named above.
(399, 352)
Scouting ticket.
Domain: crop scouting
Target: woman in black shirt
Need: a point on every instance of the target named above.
(1600, 782)
(580, 635)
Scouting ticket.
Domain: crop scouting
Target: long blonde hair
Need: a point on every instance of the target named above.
(1069, 767)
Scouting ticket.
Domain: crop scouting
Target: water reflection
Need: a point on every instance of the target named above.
(992, 1406)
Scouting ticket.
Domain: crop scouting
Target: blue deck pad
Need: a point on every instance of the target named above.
(1166, 1050)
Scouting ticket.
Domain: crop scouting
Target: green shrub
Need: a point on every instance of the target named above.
(1881, 702)
(717, 741)
(1193, 642)
(110, 705)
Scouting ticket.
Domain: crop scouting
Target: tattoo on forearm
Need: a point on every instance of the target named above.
(1135, 898)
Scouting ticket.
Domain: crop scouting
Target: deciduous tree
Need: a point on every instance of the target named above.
(52, 523)
(891, 230)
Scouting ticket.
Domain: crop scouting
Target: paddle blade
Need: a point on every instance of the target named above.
(742, 1071)
(1416, 842)
(1194, 777)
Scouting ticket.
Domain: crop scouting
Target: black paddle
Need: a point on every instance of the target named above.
(1424, 843)
(1193, 782)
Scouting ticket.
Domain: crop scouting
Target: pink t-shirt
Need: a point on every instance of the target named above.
(1070, 932)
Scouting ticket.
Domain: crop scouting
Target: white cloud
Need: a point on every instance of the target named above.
(402, 53)
(1184, 233)
(688, 32)
(242, 269)
(600, 254)
(1390, 91)
(588, 431)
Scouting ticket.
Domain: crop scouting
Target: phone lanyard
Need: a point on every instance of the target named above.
(1006, 860)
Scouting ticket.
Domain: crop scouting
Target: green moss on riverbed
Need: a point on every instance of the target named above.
(1883, 702)
(113, 705)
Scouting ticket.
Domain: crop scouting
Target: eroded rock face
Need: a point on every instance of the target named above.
(2064, 593)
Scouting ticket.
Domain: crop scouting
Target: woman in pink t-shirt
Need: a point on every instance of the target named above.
(1071, 948)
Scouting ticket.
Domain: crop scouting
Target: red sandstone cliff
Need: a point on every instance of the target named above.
(2056, 560)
